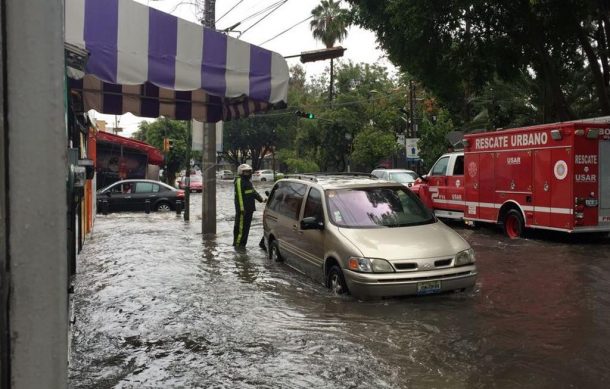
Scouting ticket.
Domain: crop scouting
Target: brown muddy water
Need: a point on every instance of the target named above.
(157, 305)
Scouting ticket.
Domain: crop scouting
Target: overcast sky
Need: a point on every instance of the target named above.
(360, 44)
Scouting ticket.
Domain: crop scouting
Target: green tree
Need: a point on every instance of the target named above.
(459, 49)
(329, 25)
(153, 133)
(251, 139)
(371, 146)
(433, 137)
(330, 22)
(295, 164)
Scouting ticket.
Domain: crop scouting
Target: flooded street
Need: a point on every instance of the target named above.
(158, 306)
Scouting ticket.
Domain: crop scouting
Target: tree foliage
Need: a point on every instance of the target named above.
(153, 133)
(558, 49)
(330, 22)
(433, 137)
(251, 139)
(372, 145)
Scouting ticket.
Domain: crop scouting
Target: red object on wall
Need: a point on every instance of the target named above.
(155, 156)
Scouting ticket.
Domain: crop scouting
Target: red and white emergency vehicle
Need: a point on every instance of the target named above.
(552, 176)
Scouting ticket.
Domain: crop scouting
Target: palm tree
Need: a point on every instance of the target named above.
(329, 24)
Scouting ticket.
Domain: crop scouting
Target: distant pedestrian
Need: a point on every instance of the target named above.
(245, 195)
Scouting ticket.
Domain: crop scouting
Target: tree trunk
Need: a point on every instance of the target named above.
(602, 43)
(598, 78)
(555, 99)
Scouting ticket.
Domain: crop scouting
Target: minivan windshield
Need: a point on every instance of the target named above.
(376, 207)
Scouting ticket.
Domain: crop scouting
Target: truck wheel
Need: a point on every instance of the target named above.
(513, 224)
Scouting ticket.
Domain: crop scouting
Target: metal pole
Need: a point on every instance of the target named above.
(208, 203)
(187, 194)
(411, 110)
(330, 89)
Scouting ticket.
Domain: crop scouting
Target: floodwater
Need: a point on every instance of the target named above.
(157, 305)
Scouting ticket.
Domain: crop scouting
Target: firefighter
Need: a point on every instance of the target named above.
(244, 204)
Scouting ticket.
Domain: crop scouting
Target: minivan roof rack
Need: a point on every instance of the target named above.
(314, 176)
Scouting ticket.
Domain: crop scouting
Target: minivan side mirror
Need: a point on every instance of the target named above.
(311, 223)
(424, 177)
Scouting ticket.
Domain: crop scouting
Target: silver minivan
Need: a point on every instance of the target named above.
(361, 235)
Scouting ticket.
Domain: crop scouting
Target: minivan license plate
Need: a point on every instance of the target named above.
(428, 287)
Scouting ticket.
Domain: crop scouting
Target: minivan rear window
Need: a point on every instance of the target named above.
(286, 199)
(376, 207)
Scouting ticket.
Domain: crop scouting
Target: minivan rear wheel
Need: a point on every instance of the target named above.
(335, 281)
(274, 251)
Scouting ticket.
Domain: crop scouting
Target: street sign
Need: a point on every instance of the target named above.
(411, 148)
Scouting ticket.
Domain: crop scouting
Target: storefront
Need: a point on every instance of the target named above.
(138, 60)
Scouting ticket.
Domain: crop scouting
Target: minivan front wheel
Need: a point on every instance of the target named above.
(335, 281)
(274, 251)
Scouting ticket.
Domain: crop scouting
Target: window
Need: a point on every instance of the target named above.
(287, 198)
(402, 177)
(313, 205)
(115, 189)
(146, 187)
(458, 169)
(376, 207)
(377, 173)
(440, 167)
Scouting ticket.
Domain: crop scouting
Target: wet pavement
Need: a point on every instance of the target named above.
(157, 305)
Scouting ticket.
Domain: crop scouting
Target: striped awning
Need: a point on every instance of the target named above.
(150, 63)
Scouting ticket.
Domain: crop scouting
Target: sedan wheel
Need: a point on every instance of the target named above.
(163, 207)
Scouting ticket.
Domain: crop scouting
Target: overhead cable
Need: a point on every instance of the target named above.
(286, 30)
(264, 17)
(232, 8)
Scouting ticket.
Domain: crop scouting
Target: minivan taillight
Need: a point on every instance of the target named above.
(180, 194)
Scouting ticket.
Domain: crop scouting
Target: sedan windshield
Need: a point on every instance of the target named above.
(376, 207)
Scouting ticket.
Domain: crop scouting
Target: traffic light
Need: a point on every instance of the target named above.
(306, 115)
(168, 144)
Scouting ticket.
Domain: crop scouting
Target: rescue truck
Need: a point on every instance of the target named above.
(553, 176)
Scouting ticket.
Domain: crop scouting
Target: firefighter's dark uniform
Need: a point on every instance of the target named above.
(245, 195)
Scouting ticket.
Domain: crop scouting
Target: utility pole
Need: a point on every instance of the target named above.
(208, 170)
(187, 194)
(330, 88)
(411, 109)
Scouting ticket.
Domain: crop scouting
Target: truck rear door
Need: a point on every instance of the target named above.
(604, 182)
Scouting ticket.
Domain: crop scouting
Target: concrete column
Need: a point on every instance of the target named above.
(36, 169)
